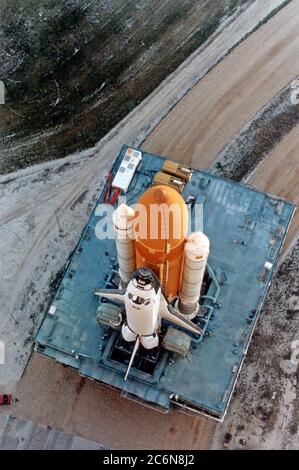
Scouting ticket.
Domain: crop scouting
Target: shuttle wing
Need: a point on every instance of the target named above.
(118, 295)
(168, 312)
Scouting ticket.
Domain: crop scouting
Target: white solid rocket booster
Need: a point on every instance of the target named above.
(124, 238)
(196, 253)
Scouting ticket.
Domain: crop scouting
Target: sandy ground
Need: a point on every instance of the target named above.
(232, 93)
(280, 167)
(279, 175)
(81, 407)
(17, 434)
(249, 147)
(30, 232)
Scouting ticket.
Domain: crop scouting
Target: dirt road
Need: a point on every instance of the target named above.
(279, 175)
(79, 406)
(232, 93)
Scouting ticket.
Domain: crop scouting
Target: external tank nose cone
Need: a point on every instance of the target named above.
(164, 216)
(161, 195)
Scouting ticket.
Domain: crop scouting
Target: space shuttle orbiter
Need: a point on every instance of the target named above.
(146, 305)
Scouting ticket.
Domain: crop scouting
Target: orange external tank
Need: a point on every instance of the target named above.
(160, 233)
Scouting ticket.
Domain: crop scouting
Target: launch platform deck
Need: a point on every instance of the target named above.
(246, 229)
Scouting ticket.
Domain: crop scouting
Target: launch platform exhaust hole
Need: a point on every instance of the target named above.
(145, 361)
